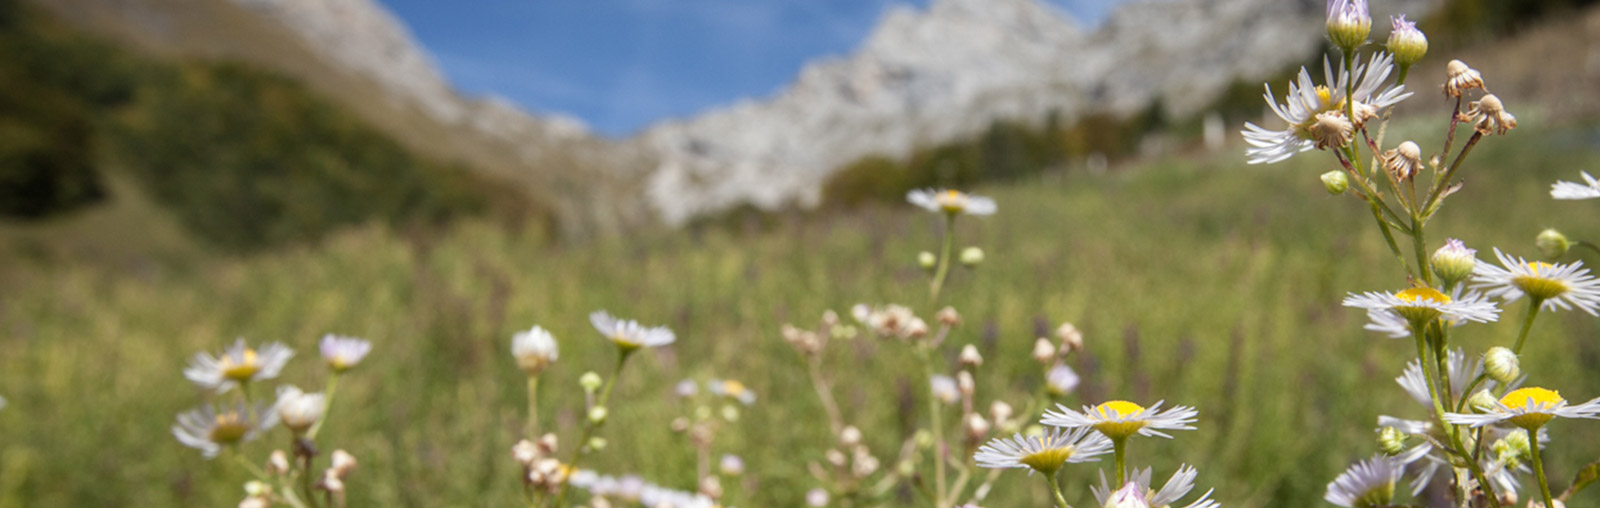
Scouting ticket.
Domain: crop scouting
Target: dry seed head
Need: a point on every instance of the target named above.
(1491, 116)
(342, 463)
(1043, 350)
(1071, 338)
(977, 427)
(970, 358)
(1331, 129)
(850, 436)
(525, 452)
(948, 317)
(1000, 412)
(711, 487)
(1460, 78)
(966, 384)
(277, 462)
(1403, 162)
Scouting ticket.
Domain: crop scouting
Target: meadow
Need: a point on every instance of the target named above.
(1196, 279)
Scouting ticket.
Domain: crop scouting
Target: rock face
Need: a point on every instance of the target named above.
(929, 76)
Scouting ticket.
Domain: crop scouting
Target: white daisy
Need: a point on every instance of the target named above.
(208, 428)
(1425, 304)
(534, 350)
(237, 364)
(1367, 483)
(1139, 492)
(1590, 189)
(1119, 419)
(299, 410)
(1555, 285)
(731, 389)
(1045, 453)
(952, 202)
(1390, 323)
(628, 334)
(343, 353)
(1060, 380)
(1529, 408)
(944, 388)
(1306, 100)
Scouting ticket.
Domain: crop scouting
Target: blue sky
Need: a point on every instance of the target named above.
(620, 65)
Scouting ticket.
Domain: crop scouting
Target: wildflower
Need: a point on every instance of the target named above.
(731, 465)
(342, 463)
(1460, 78)
(1000, 412)
(1331, 128)
(945, 389)
(733, 390)
(1336, 182)
(629, 335)
(977, 427)
(208, 428)
(1349, 22)
(1502, 364)
(1043, 350)
(927, 260)
(970, 358)
(1060, 380)
(1454, 261)
(1071, 339)
(1305, 103)
(1421, 305)
(1491, 116)
(1390, 322)
(971, 257)
(1119, 419)
(1529, 408)
(1367, 483)
(1554, 285)
(1138, 491)
(1045, 453)
(343, 353)
(534, 350)
(817, 498)
(1403, 162)
(299, 410)
(948, 316)
(952, 202)
(1406, 42)
(1590, 189)
(238, 364)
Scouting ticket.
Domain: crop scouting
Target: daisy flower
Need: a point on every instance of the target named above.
(1590, 189)
(732, 389)
(1421, 305)
(534, 350)
(1367, 483)
(1139, 493)
(1305, 101)
(1045, 453)
(628, 334)
(1502, 467)
(1554, 285)
(1529, 408)
(343, 353)
(1388, 322)
(952, 202)
(944, 388)
(208, 428)
(299, 410)
(1119, 419)
(238, 364)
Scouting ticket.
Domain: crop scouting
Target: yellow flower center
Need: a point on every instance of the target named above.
(241, 368)
(734, 388)
(1519, 399)
(1537, 287)
(1414, 294)
(1422, 312)
(1324, 96)
(627, 344)
(952, 201)
(1048, 460)
(228, 428)
(1119, 409)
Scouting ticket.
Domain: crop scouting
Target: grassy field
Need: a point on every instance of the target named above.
(1198, 280)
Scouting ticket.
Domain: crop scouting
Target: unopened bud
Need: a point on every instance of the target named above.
(1336, 182)
(922, 438)
(970, 357)
(590, 381)
(1454, 261)
(1483, 401)
(1043, 350)
(948, 317)
(1552, 244)
(1406, 42)
(927, 260)
(730, 413)
(971, 257)
(1502, 365)
(1391, 441)
(1515, 446)
(597, 415)
(1071, 338)
(1349, 23)
(597, 443)
(256, 488)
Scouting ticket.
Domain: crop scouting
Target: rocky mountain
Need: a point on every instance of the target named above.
(923, 76)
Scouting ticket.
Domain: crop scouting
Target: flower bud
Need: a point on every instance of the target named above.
(1391, 441)
(590, 381)
(1454, 261)
(597, 415)
(1336, 182)
(948, 316)
(597, 443)
(922, 438)
(1515, 446)
(1502, 365)
(1483, 401)
(1043, 350)
(927, 260)
(1406, 42)
(971, 257)
(277, 462)
(970, 358)
(256, 488)
(1552, 244)
(1349, 23)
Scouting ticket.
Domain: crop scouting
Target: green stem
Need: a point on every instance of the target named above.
(533, 407)
(248, 466)
(1419, 329)
(1419, 244)
(1538, 467)
(944, 258)
(1055, 488)
(1120, 446)
(1444, 180)
(327, 405)
(1527, 323)
(1350, 85)
(938, 426)
(589, 426)
(1472, 465)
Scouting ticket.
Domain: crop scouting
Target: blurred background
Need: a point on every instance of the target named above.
(434, 176)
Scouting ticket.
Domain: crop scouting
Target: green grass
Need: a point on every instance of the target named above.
(1198, 280)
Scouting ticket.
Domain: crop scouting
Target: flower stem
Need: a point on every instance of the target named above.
(934, 414)
(1120, 445)
(1538, 467)
(327, 405)
(589, 427)
(1055, 488)
(533, 407)
(1527, 323)
(944, 258)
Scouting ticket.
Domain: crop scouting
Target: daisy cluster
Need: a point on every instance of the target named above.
(228, 419)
